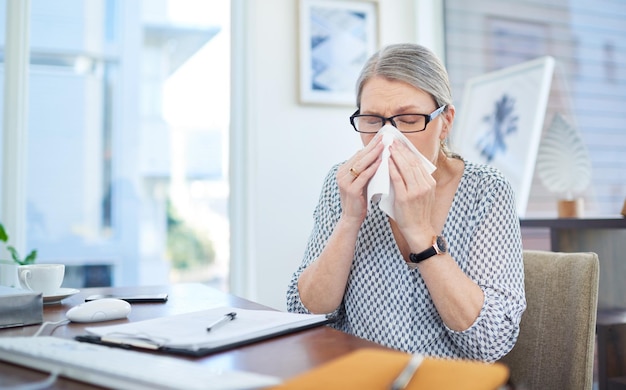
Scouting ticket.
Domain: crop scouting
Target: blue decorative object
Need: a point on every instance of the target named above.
(502, 122)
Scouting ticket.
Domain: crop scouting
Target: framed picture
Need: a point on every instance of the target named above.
(336, 38)
(501, 119)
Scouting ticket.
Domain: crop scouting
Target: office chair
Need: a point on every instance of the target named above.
(555, 347)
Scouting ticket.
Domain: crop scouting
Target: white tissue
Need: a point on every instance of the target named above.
(380, 186)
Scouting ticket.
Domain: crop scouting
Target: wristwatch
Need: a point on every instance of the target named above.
(439, 247)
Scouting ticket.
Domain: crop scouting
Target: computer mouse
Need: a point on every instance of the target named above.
(105, 309)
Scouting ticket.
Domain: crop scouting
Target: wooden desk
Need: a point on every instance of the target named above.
(284, 356)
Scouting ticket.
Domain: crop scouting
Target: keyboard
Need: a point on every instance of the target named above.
(120, 368)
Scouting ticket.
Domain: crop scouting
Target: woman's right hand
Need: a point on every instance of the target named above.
(323, 283)
(353, 176)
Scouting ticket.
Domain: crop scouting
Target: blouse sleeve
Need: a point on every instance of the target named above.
(325, 217)
(495, 263)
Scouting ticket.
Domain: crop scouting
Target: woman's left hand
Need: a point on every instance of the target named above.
(414, 191)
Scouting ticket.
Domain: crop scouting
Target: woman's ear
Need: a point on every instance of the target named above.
(448, 116)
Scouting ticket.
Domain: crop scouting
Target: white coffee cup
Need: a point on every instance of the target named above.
(44, 278)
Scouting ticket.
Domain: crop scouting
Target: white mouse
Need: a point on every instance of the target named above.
(105, 309)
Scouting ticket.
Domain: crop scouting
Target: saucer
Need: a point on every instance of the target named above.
(59, 295)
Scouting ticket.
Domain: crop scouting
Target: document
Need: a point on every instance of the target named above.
(196, 333)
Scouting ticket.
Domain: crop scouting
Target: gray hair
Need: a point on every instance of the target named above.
(413, 64)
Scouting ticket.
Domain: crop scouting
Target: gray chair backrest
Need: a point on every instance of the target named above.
(555, 347)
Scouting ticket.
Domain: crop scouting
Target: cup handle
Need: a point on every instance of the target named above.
(24, 276)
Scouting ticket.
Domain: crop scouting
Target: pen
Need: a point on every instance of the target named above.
(226, 318)
(409, 370)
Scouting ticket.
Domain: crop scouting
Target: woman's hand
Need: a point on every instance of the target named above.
(414, 191)
(353, 177)
(323, 283)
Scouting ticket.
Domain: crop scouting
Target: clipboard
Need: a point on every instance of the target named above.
(186, 334)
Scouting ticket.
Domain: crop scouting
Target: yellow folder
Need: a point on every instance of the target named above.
(378, 368)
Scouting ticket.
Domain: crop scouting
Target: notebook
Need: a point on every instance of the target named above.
(188, 334)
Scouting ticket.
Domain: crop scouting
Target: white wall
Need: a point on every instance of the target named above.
(281, 150)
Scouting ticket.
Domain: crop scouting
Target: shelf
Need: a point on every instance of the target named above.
(604, 236)
(575, 223)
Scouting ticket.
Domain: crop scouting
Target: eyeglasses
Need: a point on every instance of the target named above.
(405, 123)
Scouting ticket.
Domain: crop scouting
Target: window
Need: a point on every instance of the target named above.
(128, 139)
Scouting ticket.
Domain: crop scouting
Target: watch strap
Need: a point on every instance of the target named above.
(439, 246)
(423, 255)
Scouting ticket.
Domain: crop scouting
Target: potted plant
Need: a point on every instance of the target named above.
(29, 259)
(8, 268)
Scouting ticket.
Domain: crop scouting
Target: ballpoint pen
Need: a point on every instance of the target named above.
(227, 317)
(409, 370)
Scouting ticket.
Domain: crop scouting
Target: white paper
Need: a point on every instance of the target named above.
(189, 331)
(380, 186)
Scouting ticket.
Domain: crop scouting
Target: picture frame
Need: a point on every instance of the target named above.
(501, 120)
(336, 37)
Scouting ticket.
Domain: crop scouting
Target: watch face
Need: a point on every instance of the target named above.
(442, 245)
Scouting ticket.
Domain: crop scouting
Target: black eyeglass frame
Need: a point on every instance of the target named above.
(428, 118)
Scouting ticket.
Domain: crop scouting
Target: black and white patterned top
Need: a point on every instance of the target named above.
(388, 303)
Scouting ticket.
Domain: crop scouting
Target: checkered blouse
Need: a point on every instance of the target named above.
(387, 302)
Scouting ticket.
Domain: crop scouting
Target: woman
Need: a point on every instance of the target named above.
(396, 281)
